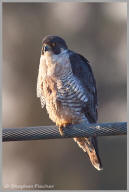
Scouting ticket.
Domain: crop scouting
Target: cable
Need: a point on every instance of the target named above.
(76, 130)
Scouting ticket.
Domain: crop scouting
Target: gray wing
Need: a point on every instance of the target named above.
(82, 70)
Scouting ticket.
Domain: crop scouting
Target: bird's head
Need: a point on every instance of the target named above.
(53, 45)
(55, 56)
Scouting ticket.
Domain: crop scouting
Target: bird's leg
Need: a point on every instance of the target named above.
(61, 130)
(62, 127)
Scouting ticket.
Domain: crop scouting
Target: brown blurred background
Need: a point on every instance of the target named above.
(97, 31)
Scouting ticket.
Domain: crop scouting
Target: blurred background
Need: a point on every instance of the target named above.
(98, 32)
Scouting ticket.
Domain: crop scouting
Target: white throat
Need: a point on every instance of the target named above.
(57, 64)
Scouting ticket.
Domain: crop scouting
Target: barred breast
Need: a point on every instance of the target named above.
(65, 98)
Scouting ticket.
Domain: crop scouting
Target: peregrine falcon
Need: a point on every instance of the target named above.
(66, 86)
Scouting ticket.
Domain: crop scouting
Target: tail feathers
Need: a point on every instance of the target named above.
(89, 145)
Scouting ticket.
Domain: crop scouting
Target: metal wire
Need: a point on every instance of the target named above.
(77, 130)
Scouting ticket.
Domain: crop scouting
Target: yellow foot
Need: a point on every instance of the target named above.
(62, 127)
(61, 130)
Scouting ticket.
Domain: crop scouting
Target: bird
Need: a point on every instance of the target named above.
(67, 87)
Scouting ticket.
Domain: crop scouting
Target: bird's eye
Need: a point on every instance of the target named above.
(53, 44)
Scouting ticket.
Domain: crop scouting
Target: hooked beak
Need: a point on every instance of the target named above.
(47, 48)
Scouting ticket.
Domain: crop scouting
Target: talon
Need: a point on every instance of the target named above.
(62, 127)
(61, 130)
